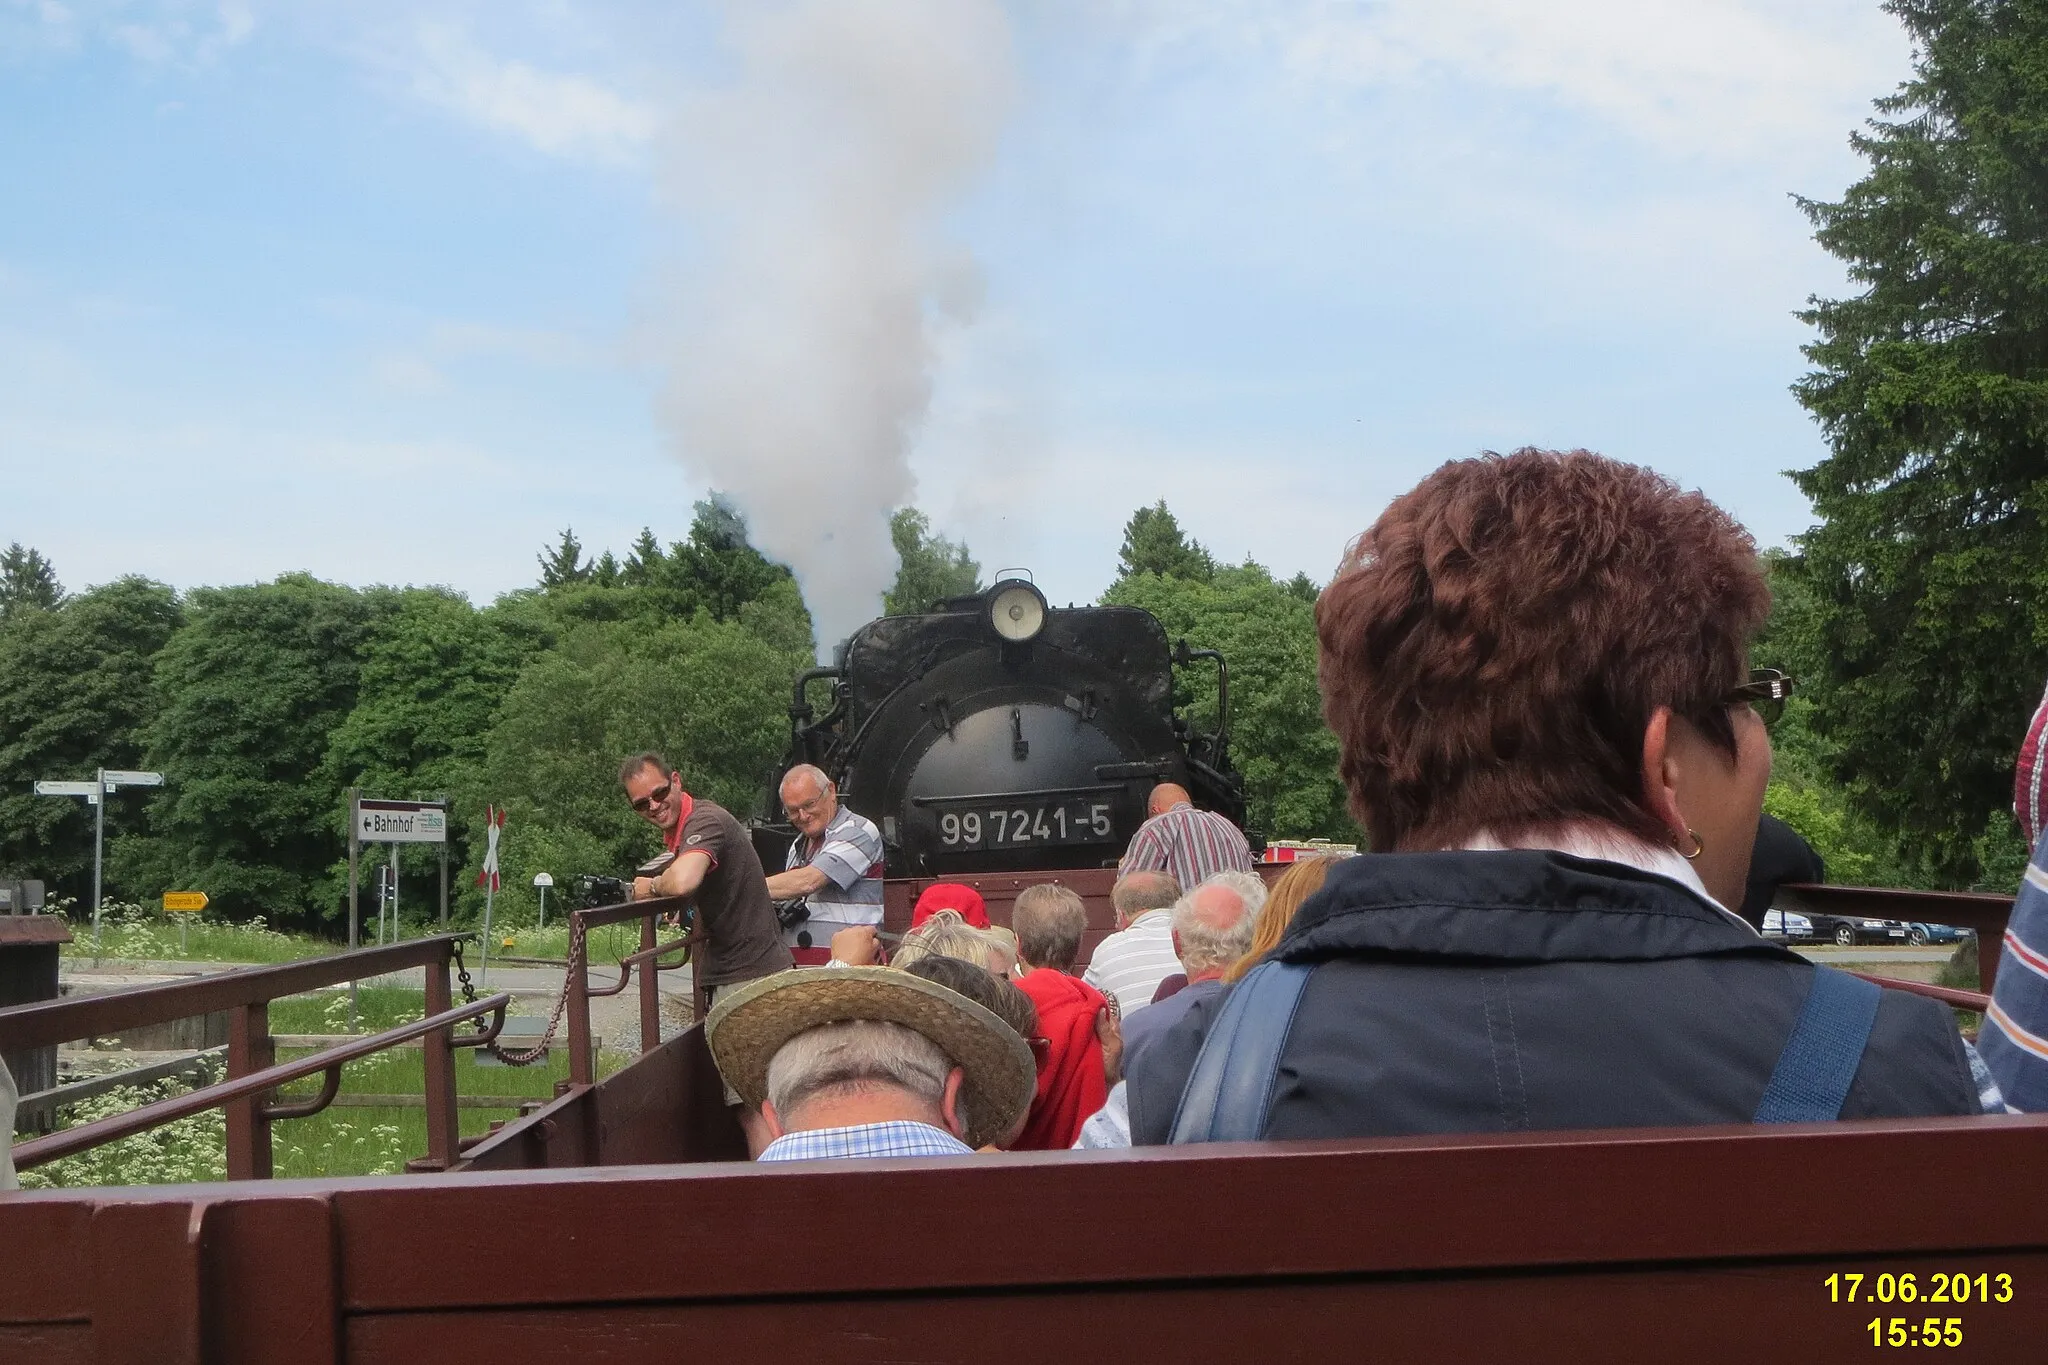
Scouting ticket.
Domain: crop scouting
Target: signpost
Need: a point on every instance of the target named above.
(372, 821)
(541, 882)
(95, 792)
(181, 904)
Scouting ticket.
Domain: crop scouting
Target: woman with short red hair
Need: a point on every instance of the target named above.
(1536, 666)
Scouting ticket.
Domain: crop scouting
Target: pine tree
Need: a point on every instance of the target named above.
(1929, 568)
(717, 566)
(564, 564)
(644, 562)
(27, 580)
(1154, 543)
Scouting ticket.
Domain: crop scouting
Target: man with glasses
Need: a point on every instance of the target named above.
(835, 862)
(714, 862)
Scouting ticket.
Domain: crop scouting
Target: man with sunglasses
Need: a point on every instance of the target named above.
(714, 862)
(835, 862)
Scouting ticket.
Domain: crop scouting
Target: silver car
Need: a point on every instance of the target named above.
(1787, 925)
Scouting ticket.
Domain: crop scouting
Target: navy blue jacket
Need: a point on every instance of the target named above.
(1500, 991)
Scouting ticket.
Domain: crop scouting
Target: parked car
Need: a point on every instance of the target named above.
(1918, 932)
(1848, 930)
(1788, 925)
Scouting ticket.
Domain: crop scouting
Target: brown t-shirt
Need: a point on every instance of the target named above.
(743, 939)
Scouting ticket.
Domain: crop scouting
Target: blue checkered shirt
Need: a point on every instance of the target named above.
(897, 1137)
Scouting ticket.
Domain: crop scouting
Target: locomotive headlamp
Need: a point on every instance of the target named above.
(1016, 611)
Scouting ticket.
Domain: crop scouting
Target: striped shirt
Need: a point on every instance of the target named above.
(2014, 1039)
(1188, 843)
(849, 853)
(893, 1137)
(1130, 964)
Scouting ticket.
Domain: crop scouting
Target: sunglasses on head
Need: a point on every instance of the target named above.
(1764, 693)
(652, 799)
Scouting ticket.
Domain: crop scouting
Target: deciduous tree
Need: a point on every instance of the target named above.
(75, 695)
(248, 696)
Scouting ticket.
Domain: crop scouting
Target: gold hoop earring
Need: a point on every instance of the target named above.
(1699, 845)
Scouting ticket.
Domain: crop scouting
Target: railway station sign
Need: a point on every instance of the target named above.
(184, 902)
(401, 822)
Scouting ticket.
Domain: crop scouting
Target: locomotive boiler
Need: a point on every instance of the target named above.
(997, 733)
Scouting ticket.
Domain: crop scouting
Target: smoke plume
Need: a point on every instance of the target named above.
(813, 183)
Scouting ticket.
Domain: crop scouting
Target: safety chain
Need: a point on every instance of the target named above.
(527, 1056)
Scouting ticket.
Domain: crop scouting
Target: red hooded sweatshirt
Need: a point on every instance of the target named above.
(1070, 1083)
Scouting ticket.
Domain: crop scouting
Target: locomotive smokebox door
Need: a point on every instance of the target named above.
(996, 733)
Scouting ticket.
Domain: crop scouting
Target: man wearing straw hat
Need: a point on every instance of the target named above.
(869, 1062)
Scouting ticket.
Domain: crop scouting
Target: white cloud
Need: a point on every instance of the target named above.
(1715, 78)
(178, 33)
(562, 114)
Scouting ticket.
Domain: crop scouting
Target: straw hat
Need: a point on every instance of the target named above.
(750, 1023)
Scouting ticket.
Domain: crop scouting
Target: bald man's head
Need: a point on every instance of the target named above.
(1165, 797)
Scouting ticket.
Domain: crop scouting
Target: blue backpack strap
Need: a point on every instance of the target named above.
(1819, 1062)
(1230, 1090)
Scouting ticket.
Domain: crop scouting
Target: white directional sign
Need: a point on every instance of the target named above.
(401, 822)
(67, 789)
(117, 778)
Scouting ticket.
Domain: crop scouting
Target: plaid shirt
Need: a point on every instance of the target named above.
(1191, 844)
(896, 1137)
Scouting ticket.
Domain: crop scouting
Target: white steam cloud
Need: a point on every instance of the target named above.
(814, 182)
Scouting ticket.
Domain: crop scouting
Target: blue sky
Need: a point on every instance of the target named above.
(394, 292)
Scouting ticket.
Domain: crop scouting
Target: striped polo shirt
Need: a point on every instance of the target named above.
(1131, 963)
(849, 853)
(1191, 844)
(2014, 1039)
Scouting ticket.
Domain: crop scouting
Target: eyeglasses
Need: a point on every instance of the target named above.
(652, 799)
(807, 809)
(1765, 693)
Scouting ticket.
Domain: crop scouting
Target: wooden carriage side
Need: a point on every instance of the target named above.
(1679, 1245)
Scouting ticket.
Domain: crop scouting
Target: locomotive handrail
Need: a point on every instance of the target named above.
(1182, 656)
(69, 1141)
(800, 711)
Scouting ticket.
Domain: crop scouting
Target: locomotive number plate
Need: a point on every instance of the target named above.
(1023, 823)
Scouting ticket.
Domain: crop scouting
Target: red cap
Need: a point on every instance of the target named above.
(950, 896)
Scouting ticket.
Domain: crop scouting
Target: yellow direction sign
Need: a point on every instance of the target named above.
(185, 902)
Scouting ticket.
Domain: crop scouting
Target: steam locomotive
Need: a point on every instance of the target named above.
(996, 733)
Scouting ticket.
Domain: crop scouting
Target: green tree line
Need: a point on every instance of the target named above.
(264, 703)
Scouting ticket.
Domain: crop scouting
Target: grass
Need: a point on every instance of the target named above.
(141, 933)
(607, 943)
(362, 1141)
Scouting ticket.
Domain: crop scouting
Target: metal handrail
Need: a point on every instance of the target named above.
(47, 1022)
(1947, 995)
(582, 1071)
(329, 1060)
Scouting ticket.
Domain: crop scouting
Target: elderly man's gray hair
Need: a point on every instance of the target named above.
(856, 1055)
(1208, 937)
(809, 770)
(1137, 892)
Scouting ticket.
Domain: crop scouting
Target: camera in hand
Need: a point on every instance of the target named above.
(597, 891)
